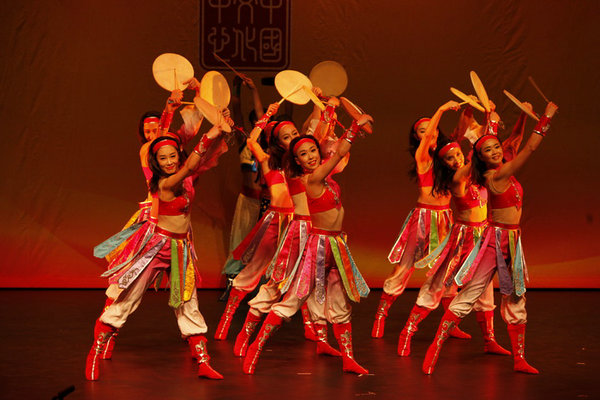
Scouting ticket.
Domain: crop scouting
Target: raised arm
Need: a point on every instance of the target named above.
(422, 156)
(510, 168)
(252, 142)
(510, 146)
(323, 170)
(194, 161)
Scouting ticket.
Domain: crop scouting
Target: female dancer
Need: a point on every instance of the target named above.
(454, 177)
(258, 248)
(290, 249)
(326, 267)
(499, 248)
(157, 247)
(248, 204)
(426, 225)
(152, 125)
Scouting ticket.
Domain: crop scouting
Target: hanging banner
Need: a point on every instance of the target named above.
(247, 34)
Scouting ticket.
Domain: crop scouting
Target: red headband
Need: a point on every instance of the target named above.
(482, 140)
(419, 122)
(301, 141)
(166, 142)
(151, 119)
(447, 148)
(277, 127)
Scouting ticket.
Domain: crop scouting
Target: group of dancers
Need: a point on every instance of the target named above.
(288, 234)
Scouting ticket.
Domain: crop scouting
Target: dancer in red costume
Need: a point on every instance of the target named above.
(259, 246)
(426, 225)
(285, 261)
(161, 245)
(152, 125)
(499, 248)
(470, 219)
(326, 267)
(248, 204)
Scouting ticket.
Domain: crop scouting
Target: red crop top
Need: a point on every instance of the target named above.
(513, 196)
(476, 196)
(274, 176)
(426, 179)
(178, 206)
(329, 200)
(296, 186)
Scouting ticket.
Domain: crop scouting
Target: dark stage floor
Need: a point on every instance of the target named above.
(46, 334)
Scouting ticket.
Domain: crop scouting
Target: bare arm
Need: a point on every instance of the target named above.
(510, 146)
(194, 160)
(323, 170)
(510, 168)
(252, 142)
(422, 156)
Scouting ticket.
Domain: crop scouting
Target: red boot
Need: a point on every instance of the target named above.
(417, 314)
(235, 297)
(486, 323)
(456, 332)
(385, 303)
(309, 327)
(110, 345)
(449, 321)
(343, 334)
(323, 346)
(517, 339)
(270, 325)
(102, 333)
(199, 352)
(243, 338)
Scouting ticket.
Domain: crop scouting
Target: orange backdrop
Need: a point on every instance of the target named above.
(76, 76)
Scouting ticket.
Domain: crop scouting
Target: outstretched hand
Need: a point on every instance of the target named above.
(450, 105)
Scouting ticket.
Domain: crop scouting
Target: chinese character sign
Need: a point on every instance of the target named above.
(248, 34)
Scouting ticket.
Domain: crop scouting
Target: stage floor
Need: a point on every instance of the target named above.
(46, 335)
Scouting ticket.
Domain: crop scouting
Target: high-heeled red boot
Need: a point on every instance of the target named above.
(517, 339)
(323, 347)
(343, 334)
(456, 332)
(486, 323)
(102, 333)
(269, 326)
(385, 302)
(309, 327)
(243, 338)
(417, 314)
(233, 302)
(198, 347)
(110, 345)
(449, 321)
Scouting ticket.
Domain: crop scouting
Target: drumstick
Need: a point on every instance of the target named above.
(229, 66)
(538, 89)
(175, 78)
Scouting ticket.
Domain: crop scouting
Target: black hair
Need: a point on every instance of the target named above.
(442, 173)
(157, 172)
(293, 169)
(413, 145)
(479, 166)
(276, 150)
(147, 114)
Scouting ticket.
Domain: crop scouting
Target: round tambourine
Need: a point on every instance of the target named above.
(355, 112)
(211, 113)
(170, 70)
(215, 90)
(330, 76)
(290, 85)
(521, 105)
(480, 90)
